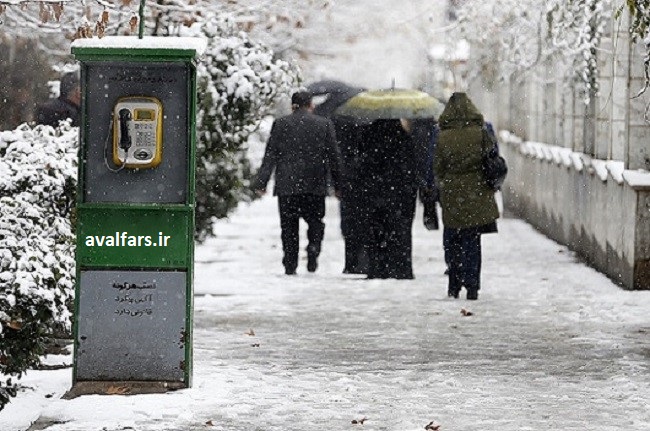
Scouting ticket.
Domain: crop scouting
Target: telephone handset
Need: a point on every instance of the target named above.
(137, 132)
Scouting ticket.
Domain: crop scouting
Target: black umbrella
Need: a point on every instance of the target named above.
(336, 93)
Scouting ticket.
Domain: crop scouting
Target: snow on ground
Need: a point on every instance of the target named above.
(551, 344)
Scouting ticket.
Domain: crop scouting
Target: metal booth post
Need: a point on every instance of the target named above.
(135, 213)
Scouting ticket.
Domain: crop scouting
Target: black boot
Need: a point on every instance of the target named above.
(472, 293)
(312, 258)
(312, 262)
(290, 264)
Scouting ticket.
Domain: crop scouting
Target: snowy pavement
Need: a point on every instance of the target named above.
(550, 344)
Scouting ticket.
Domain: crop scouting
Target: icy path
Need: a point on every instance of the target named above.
(551, 345)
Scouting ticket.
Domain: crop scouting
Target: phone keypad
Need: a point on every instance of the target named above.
(145, 134)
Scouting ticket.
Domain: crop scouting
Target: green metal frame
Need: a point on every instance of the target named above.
(162, 213)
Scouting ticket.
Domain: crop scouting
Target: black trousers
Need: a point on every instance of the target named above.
(463, 255)
(310, 208)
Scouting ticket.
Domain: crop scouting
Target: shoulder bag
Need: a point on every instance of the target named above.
(494, 165)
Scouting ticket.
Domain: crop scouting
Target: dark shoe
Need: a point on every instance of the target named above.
(472, 294)
(290, 264)
(453, 293)
(312, 257)
(312, 262)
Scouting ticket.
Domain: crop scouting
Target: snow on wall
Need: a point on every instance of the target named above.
(593, 206)
(565, 156)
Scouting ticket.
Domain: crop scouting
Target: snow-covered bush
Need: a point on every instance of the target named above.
(238, 82)
(37, 184)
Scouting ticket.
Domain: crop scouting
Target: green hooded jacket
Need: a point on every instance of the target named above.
(465, 198)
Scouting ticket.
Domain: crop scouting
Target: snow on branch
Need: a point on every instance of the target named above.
(88, 18)
(576, 28)
(517, 35)
(640, 31)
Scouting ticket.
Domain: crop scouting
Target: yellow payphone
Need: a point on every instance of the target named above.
(137, 132)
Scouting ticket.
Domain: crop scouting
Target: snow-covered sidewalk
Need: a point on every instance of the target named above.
(550, 344)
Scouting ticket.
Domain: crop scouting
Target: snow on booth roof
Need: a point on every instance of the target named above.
(196, 44)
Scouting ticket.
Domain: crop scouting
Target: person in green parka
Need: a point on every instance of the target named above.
(469, 208)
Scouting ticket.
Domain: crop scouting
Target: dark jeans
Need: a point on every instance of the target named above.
(463, 255)
(311, 208)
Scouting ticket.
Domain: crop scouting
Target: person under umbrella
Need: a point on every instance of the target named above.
(389, 186)
(389, 172)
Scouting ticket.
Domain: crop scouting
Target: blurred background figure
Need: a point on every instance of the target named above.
(424, 132)
(67, 105)
(328, 96)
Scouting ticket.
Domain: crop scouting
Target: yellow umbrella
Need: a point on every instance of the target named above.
(391, 104)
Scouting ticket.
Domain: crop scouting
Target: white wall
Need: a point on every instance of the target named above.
(588, 189)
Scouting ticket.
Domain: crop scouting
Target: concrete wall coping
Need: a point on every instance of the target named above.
(638, 180)
(604, 169)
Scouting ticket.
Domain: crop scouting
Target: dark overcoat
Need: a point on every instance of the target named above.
(55, 110)
(301, 150)
(465, 197)
(388, 180)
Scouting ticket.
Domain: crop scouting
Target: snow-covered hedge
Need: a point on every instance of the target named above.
(239, 80)
(37, 184)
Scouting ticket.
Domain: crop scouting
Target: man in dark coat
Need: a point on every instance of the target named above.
(469, 208)
(65, 106)
(302, 150)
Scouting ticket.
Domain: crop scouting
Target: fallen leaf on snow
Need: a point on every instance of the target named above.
(431, 426)
(466, 312)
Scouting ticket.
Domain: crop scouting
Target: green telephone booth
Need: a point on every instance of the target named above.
(135, 212)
